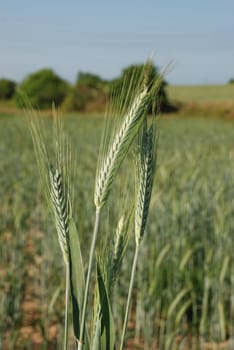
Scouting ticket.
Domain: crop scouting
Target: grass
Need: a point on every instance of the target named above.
(184, 280)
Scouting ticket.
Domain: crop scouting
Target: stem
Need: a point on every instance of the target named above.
(66, 308)
(88, 278)
(129, 296)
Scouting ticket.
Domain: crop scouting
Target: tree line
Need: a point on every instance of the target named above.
(89, 92)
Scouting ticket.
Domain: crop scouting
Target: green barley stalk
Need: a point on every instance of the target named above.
(88, 278)
(109, 163)
(145, 169)
(108, 265)
(56, 190)
(61, 215)
(111, 250)
(107, 170)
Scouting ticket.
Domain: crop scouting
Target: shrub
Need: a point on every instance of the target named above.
(90, 80)
(88, 94)
(42, 88)
(7, 89)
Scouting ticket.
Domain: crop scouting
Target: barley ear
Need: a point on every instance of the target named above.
(117, 151)
(145, 169)
(60, 209)
(120, 242)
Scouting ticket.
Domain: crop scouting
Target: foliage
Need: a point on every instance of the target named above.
(88, 94)
(7, 89)
(84, 98)
(43, 88)
(89, 79)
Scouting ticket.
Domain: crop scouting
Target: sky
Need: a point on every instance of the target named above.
(195, 38)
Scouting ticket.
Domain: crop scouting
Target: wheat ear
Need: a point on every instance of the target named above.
(119, 147)
(60, 208)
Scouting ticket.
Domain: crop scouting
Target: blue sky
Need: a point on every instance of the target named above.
(103, 37)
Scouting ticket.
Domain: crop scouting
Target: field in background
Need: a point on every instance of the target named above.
(209, 101)
(201, 93)
(184, 294)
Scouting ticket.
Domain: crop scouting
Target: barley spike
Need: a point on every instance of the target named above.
(118, 149)
(60, 209)
(144, 182)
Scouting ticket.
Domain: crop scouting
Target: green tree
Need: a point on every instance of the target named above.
(43, 88)
(88, 94)
(133, 74)
(7, 89)
(90, 80)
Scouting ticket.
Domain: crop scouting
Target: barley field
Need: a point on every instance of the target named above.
(183, 295)
(201, 93)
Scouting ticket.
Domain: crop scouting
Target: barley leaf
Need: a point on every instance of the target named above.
(76, 268)
(105, 315)
(176, 301)
(182, 311)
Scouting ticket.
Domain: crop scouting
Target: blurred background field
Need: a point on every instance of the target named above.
(204, 100)
(184, 295)
(201, 93)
